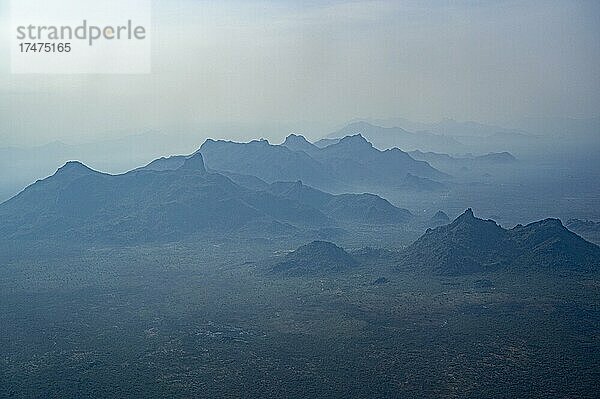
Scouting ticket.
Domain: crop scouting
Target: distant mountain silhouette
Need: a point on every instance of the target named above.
(326, 142)
(451, 127)
(157, 203)
(359, 163)
(497, 157)
(438, 158)
(416, 183)
(299, 143)
(361, 208)
(146, 205)
(317, 257)
(73, 170)
(268, 162)
(363, 158)
(469, 245)
(165, 163)
(351, 163)
(457, 165)
(446, 127)
(389, 137)
(177, 161)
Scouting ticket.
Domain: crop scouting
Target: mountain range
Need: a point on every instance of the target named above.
(446, 136)
(467, 245)
(294, 189)
(459, 165)
(351, 164)
(161, 203)
(390, 137)
(360, 208)
(178, 197)
(448, 127)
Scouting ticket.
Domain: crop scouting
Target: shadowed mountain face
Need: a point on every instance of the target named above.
(356, 153)
(388, 137)
(469, 245)
(352, 162)
(266, 161)
(318, 257)
(548, 244)
(154, 205)
(299, 143)
(144, 206)
(459, 165)
(360, 208)
(175, 162)
(464, 246)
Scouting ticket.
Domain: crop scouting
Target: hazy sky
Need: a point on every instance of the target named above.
(248, 68)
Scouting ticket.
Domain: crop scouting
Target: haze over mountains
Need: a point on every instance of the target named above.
(352, 162)
(531, 138)
(249, 219)
(452, 128)
(532, 126)
(26, 165)
(468, 245)
(389, 137)
(296, 186)
(169, 204)
(262, 192)
(528, 138)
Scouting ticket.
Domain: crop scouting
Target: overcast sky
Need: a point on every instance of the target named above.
(248, 68)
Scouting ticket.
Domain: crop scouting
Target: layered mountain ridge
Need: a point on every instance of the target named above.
(160, 203)
(350, 163)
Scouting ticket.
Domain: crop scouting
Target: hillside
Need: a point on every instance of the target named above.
(360, 208)
(158, 203)
(145, 205)
(268, 162)
(317, 257)
(351, 163)
(471, 245)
